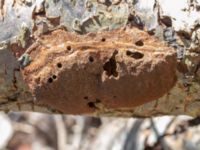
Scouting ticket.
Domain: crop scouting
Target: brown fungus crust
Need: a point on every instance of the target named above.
(121, 69)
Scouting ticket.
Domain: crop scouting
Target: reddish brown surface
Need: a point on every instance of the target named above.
(119, 68)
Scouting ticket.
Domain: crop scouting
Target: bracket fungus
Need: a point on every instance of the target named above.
(72, 73)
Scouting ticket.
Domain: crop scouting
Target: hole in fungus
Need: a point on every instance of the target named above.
(91, 104)
(69, 48)
(91, 59)
(85, 97)
(54, 76)
(111, 66)
(59, 65)
(103, 39)
(139, 43)
(50, 80)
(135, 55)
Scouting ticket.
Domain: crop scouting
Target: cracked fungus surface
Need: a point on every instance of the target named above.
(120, 68)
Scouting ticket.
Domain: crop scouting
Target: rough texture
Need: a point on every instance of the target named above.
(177, 25)
(119, 68)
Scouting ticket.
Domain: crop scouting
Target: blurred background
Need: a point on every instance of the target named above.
(37, 131)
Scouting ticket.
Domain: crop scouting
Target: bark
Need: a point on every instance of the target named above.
(26, 22)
